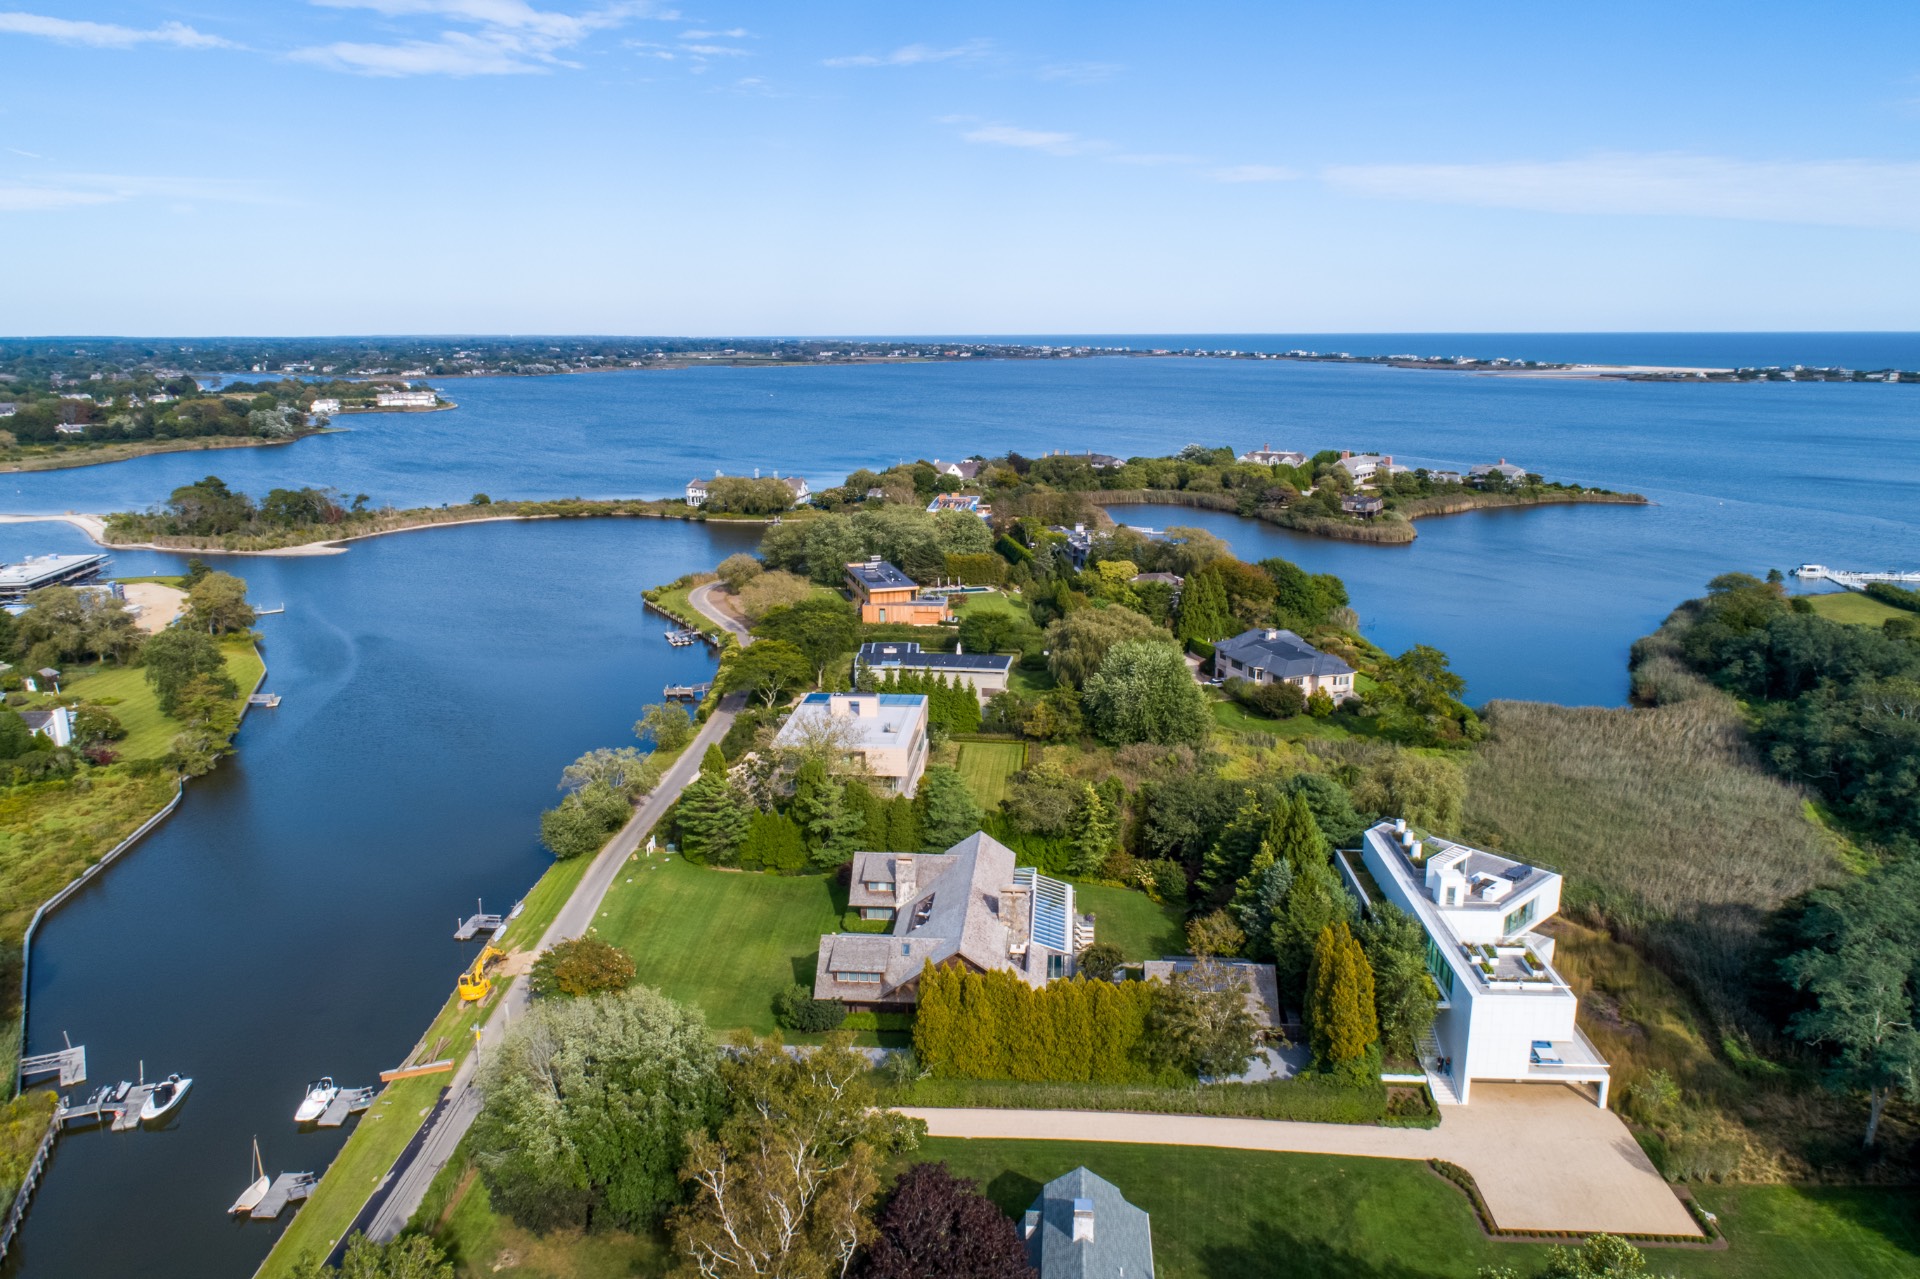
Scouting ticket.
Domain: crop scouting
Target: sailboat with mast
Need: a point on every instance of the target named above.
(257, 1190)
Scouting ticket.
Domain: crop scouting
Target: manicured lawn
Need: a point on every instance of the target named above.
(1809, 1232)
(726, 941)
(1030, 683)
(986, 766)
(1141, 927)
(992, 602)
(1858, 609)
(1231, 715)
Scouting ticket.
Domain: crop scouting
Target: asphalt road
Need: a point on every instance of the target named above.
(698, 598)
(406, 1184)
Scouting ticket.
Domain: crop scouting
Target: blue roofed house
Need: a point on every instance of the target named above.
(1281, 657)
(969, 906)
(983, 672)
(1082, 1227)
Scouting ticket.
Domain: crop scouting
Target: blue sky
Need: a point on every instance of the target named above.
(732, 168)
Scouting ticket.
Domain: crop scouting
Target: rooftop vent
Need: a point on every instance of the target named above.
(1030, 1225)
(1083, 1221)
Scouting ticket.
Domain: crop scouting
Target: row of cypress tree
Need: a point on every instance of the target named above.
(951, 703)
(994, 1026)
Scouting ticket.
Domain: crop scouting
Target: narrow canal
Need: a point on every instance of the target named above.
(294, 917)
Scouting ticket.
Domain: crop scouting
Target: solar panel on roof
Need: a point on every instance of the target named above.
(1052, 908)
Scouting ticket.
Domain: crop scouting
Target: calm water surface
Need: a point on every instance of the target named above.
(292, 918)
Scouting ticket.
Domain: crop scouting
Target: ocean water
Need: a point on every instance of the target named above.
(292, 919)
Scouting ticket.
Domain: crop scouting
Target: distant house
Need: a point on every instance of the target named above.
(1267, 455)
(969, 907)
(697, 490)
(1082, 1227)
(1363, 505)
(967, 470)
(1364, 468)
(1505, 1014)
(982, 672)
(885, 594)
(324, 408)
(885, 734)
(876, 494)
(405, 399)
(968, 502)
(1098, 461)
(55, 725)
(8, 408)
(69, 428)
(1510, 473)
(1079, 542)
(1281, 657)
(1445, 477)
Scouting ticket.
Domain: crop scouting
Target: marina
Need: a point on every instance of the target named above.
(681, 639)
(287, 1188)
(687, 692)
(1852, 581)
(479, 922)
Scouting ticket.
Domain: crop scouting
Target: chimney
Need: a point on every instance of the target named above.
(1083, 1221)
(1387, 460)
(1016, 914)
(1503, 461)
(1273, 635)
(1345, 453)
(904, 883)
(1030, 1225)
(1399, 825)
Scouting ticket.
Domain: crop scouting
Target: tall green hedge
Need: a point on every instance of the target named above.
(995, 1026)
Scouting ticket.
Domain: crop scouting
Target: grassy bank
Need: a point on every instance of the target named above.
(56, 457)
(1854, 608)
(1394, 527)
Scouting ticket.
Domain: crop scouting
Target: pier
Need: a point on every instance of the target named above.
(1852, 581)
(687, 692)
(477, 923)
(288, 1187)
(348, 1101)
(681, 639)
(268, 700)
(70, 1063)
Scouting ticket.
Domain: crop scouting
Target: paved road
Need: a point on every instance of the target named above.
(407, 1183)
(1545, 1157)
(698, 598)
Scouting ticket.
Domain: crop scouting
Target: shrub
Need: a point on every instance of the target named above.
(797, 1010)
(1101, 960)
(1274, 700)
(738, 569)
(582, 966)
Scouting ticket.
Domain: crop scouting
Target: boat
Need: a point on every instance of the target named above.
(166, 1094)
(320, 1095)
(256, 1189)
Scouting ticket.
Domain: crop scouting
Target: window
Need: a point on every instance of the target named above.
(1453, 895)
(1519, 917)
(1056, 966)
(876, 912)
(878, 886)
(1440, 970)
(856, 979)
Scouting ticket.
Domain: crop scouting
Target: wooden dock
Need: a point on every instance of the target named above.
(681, 639)
(686, 692)
(129, 1116)
(288, 1187)
(69, 1062)
(268, 700)
(348, 1101)
(477, 924)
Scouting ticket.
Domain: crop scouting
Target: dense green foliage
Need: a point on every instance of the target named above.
(1143, 692)
(951, 703)
(994, 1026)
(580, 966)
(1341, 1021)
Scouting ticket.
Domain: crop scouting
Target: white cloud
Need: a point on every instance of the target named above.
(737, 33)
(513, 37)
(107, 35)
(78, 190)
(1254, 173)
(1009, 135)
(1862, 193)
(715, 50)
(915, 54)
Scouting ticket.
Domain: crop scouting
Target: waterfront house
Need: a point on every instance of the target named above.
(1281, 657)
(1267, 455)
(968, 502)
(1505, 1014)
(885, 594)
(324, 407)
(1079, 542)
(883, 735)
(1365, 468)
(698, 490)
(1364, 505)
(69, 428)
(1082, 1227)
(984, 673)
(55, 725)
(1505, 470)
(963, 471)
(969, 907)
(405, 399)
(1445, 477)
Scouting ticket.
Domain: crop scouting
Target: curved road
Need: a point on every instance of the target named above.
(406, 1184)
(699, 598)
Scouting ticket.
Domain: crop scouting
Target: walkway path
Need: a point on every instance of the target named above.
(698, 597)
(1546, 1157)
(407, 1183)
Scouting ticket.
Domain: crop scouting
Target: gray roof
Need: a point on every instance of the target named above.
(1171, 579)
(1122, 1242)
(907, 653)
(1261, 982)
(877, 574)
(1282, 654)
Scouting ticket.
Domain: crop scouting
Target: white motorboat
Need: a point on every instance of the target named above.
(320, 1095)
(256, 1190)
(166, 1094)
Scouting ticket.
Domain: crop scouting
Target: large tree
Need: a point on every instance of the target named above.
(939, 1226)
(1861, 965)
(588, 1106)
(176, 657)
(1203, 609)
(1143, 692)
(832, 829)
(770, 671)
(1199, 1021)
(783, 1188)
(1341, 1024)
(1403, 993)
(581, 966)
(948, 811)
(1079, 642)
(713, 821)
(217, 603)
(824, 628)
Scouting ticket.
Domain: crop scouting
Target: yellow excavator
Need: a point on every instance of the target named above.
(474, 983)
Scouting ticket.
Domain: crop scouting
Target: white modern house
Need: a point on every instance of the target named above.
(1505, 1014)
(884, 735)
(325, 407)
(405, 399)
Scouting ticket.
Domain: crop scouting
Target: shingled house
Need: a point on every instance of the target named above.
(969, 905)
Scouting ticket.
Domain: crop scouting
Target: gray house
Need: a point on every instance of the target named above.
(1277, 657)
(1081, 1227)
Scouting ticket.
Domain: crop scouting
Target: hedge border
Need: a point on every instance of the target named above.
(1713, 1240)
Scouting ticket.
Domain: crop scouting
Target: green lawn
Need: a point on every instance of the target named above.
(1231, 715)
(1852, 606)
(1030, 683)
(1224, 1214)
(1141, 927)
(986, 766)
(726, 941)
(992, 602)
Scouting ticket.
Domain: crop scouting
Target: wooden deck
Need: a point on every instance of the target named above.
(288, 1187)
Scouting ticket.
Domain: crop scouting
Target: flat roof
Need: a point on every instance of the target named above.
(36, 570)
(878, 574)
(908, 653)
(885, 723)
